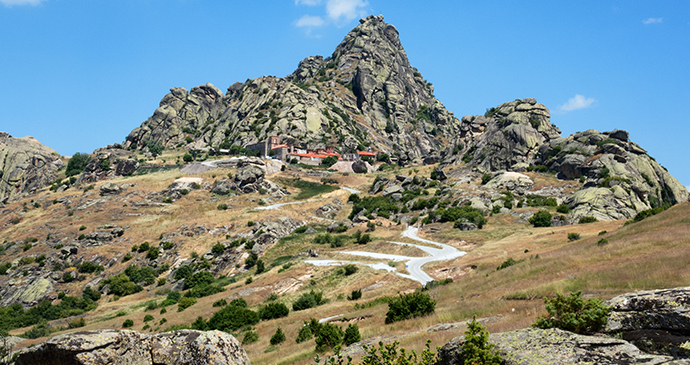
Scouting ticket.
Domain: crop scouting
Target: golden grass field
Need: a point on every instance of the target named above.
(651, 254)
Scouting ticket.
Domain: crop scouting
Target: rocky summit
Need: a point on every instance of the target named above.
(365, 93)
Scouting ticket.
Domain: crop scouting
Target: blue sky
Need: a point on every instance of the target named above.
(81, 74)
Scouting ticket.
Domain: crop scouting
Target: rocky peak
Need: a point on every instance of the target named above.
(366, 93)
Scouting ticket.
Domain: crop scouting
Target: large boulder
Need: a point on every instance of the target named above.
(654, 320)
(134, 348)
(534, 346)
(359, 167)
(26, 165)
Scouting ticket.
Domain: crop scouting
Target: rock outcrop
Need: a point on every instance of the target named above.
(620, 179)
(365, 92)
(107, 163)
(26, 165)
(249, 179)
(656, 321)
(533, 346)
(134, 348)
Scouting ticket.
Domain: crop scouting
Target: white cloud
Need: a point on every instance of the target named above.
(309, 21)
(346, 10)
(10, 3)
(308, 2)
(577, 102)
(652, 21)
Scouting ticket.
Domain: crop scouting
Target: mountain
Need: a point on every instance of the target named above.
(365, 93)
(26, 165)
(616, 177)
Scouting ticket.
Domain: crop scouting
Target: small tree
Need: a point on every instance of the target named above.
(329, 161)
(352, 334)
(476, 349)
(328, 336)
(278, 337)
(187, 157)
(541, 219)
(574, 314)
(304, 334)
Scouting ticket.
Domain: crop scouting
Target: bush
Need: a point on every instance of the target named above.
(278, 337)
(77, 323)
(220, 303)
(259, 267)
(185, 303)
(90, 294)
(127, 323)
(563, 208)
(541, 219)
(350, 269)
(273, 311)
(187, 157)
(222, 206)
(352, 334)
(77, 164)
(308, 300)
(408, 306)
(329, 161)
(574, 314)
(148, 318)
(587, 219)
(602, 242)
(508, 263)
(232, 318)
(486, 178)
(328, 336)
(476, 349)
(573, 236)
(153, 253)
(356, 294)
(304, 334)
(250, 337)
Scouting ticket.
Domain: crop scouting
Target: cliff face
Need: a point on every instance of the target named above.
(619, 178)
(365, 93)
(25, 166)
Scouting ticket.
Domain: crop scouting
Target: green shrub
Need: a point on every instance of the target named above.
(356, 294)
(329, 161)
(185, 303)
(250, 337)
(541, 219)
(573, 236)
(187, 157)
(77, 323)
(201, 278)
(278, 337)
(350, 269)
(351, 334)
(574, 314)
(602, 242)
(305, 334)
(127, 323)
(308, 300)
(77, 164)
(273, 311)
(328, 337)
(587, 219)
(563, 208)
(496, 209)
(148, 318)
(408, 306)
(167, 245)
(476, 348)
(259, 267)
(232, 318)
(89, 268)
(121, 285)
(222, 206)
(220, 303)
(508, 263)
(602, 233)
(153, 253)
(486, 178)
(90, 294)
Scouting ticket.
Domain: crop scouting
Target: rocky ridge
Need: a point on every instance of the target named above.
(365, 93)
(26, 165)
(620, 179)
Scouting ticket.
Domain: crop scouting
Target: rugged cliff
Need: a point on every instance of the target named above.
(25, 166)
(365, 93)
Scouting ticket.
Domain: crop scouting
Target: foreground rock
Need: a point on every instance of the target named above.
(134, 348)
(533, 346)
(656, 321)
(26, 165)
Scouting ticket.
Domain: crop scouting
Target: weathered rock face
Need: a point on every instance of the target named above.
(249, 179)
(620, 179)
(107, 163)
(134, 348)
(25, 166)
(366, 92)
(656, 321)
(533, 346)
